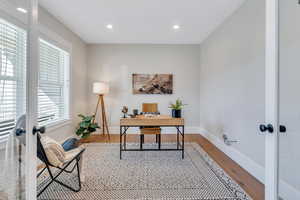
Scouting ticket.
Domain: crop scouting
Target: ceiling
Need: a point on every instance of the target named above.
(142, 21)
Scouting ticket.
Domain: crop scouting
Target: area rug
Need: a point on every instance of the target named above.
(147, 175)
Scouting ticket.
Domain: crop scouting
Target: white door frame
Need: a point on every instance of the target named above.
(31, 96)
(272, 99)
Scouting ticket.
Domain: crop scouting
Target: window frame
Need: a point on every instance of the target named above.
(19, 103)
(56, 40)
(59, 42)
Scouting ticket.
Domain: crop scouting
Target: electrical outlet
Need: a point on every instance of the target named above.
(227, 141)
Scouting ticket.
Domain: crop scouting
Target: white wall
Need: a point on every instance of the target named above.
(232, 96)
(78, 73)
(117, 63)
(232, 77)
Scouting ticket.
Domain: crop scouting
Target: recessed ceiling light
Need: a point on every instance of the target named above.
(176, 27)
(22, 10)
(109, 26)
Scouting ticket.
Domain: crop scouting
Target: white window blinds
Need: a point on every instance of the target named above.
(53, 90)
(12, 75)
(53, 94)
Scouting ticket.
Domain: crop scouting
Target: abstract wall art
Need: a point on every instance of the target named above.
(152, 83)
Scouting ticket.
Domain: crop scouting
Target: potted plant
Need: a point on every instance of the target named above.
(176, 108)
(86, 126)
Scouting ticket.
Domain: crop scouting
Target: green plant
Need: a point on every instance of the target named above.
(178, 105)
(86, 126)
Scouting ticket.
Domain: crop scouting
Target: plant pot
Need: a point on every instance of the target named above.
(176, 113)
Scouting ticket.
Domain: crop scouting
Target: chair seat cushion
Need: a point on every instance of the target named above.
(152, 130)
(58, 154)
(54, 151)
(69, 155)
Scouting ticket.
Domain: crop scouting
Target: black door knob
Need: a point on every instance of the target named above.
(41, 130)
(20, 131)
(282, 129)
(264, 128)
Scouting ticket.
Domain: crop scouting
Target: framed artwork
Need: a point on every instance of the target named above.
(152, 83)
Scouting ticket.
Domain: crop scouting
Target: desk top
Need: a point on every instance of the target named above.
(157, 120)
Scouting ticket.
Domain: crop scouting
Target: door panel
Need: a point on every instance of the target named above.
(271, 94)
(289, 65)
(17, 177)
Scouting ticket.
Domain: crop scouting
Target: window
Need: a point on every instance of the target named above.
(53, 93)
(12, 75)
(53, 90)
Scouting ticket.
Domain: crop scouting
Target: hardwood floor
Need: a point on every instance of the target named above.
(249, 183)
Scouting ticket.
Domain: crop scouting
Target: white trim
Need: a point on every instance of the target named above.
(245, 162)
(165, 130)
(52, 37)
(272, 99)
(31, 96)
(58, 124)
(49, 128)
(286, 191)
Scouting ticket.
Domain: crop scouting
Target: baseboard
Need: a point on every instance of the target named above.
(248, 164)
(286, 191)
(165, 130)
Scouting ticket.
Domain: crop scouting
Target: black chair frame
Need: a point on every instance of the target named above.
(43, 157)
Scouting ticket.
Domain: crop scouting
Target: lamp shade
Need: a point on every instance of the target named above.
(100, 88)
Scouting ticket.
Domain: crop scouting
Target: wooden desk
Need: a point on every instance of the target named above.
(161, 121)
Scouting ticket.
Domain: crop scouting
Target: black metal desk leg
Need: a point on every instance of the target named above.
(177, 137)
(125, 141)
(141, 141)
(159, 141)
(121, 130)
(182, 142)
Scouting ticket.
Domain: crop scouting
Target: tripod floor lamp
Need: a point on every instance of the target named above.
(101, 88)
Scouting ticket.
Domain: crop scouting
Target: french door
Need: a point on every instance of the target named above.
(18, 98)
(289, 99)
(282, 160)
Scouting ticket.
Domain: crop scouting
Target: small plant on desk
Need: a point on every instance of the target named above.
(86, 126)
(176, 108)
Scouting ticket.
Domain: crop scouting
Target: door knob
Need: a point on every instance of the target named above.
(41, 130)
(264, 128)
(282, 129)
(20, 131)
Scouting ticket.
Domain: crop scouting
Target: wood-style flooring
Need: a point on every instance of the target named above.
(249, 183)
